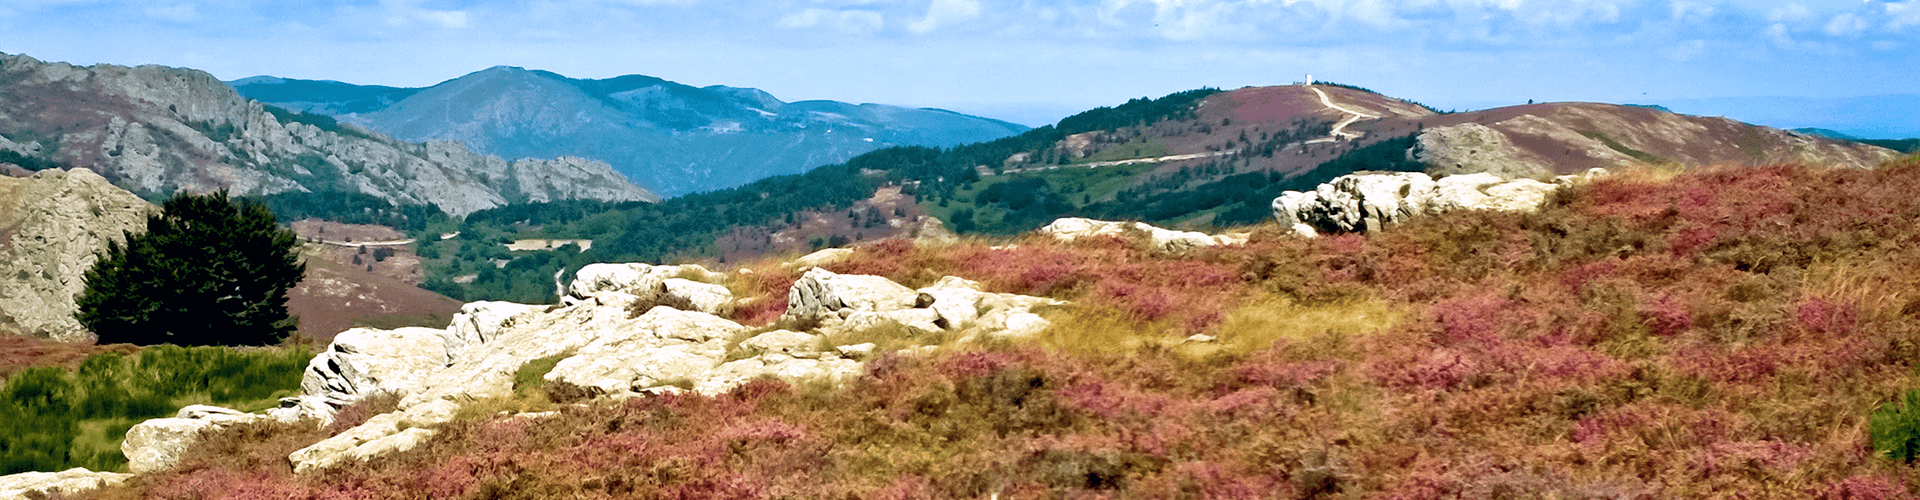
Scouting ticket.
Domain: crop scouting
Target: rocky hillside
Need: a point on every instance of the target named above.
(55, 223)
(1642, 333)
(1221, 160)
(673, 138)
(156, 130)
(52, 226)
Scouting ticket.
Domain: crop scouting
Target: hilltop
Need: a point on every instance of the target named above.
(1202, 159)
(674, 138)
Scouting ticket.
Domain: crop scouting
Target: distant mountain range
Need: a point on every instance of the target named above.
(673, 138)
(1892, 116)
(156, 130)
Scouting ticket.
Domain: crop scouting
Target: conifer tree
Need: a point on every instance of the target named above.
(208, 271)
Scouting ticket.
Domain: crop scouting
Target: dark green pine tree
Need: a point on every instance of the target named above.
(208, 271)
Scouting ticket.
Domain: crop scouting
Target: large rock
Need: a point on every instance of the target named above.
(687, 283)
(71, 481)
(1370, 201)
(157, 444)
(660, 347)
(381, 434)
(777, 366)
(822, 257)
(479, 322)
(53, 226)
(820, 294)
(364, 361)
(1165, 240)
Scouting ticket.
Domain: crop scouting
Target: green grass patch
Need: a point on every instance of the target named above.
(1145, 148)
(53, 419)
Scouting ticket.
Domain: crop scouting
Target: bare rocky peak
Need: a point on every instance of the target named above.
(158, 130)
(53, 226)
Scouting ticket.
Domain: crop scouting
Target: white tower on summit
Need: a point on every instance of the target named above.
(1309, 80)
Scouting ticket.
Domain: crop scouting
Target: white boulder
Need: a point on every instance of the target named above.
(364, 361)
(1370, 201)
(1165, 240)
(157, 444)
(660, 347)
(376, 436)
(42, 484)
(821, 258)
(705, 297)
(479, 322)
(820, 293)
(635, 278)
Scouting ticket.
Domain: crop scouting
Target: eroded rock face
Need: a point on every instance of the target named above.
(820, 294)
(35, 484)
(53, 227)
(1165, 240)
(655, 283)
(1370, 201)
(365, 361)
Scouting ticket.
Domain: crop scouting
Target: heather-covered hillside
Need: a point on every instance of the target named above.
(1652, 334)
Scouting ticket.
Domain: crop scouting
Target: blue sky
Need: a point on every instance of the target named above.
(1029, 61)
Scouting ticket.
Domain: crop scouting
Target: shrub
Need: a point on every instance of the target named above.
(1895, 428)
(207, 271)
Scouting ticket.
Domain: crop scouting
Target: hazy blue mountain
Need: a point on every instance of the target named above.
(1892, 116)
(673, 138)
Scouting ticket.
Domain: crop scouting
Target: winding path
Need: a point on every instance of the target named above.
(1339, 129)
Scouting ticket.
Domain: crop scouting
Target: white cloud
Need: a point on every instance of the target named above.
(1792, 12)
(944, 12)
(849, 21)
(1902, 15)
(1845, 24)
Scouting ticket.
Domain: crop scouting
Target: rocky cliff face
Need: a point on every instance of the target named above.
(672, 137)
(157, 130)
(52, 226)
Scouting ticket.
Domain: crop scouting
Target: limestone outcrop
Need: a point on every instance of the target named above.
(53, 227)
(600, 348)
(42, 484)
(657, 284)
(1165, 240)
(365, 361)
(157, 444)
(381, 434)
(821, 294)
(1371, 201)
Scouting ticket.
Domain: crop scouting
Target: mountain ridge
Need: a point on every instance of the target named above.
(157, 130)
(672, 137)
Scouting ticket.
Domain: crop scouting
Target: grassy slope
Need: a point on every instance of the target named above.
(1650, 335)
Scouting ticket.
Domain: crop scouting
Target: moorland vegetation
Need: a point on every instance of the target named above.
(1653, 334)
